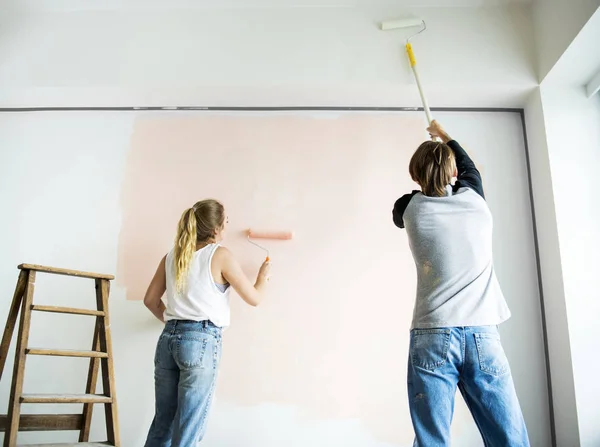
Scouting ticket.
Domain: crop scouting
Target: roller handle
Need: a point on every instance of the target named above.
(413, 64)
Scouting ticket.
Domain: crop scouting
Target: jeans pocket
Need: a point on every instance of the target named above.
(194, 351)
(429, 348)
(162, 350)
(492, 359)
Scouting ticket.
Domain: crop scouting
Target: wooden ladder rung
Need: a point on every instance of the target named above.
(45, 422)
(66, 353)
(67, 310)
(65, 399)
(71, 444)
(66, 272)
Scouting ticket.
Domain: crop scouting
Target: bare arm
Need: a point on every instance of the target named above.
(234, 275)
(156, 290)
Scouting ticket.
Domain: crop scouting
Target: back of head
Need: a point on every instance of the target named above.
(197, 224)
(432, 166)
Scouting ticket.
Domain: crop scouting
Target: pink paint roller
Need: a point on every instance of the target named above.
(277, 235)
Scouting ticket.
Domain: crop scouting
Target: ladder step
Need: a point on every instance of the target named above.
(72, 444)
(66, 353)
(65, 399)
(67, 310)
(45, 422)
(67, 272)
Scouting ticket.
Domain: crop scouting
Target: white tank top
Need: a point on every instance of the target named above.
(202, 299)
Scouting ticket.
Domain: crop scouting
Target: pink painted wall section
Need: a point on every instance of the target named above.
(331, 337)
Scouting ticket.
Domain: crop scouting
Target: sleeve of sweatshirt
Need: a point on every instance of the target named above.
(400, 207)
(468, 174)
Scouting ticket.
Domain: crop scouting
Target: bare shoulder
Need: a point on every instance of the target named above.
(222, 255)
(222, 251)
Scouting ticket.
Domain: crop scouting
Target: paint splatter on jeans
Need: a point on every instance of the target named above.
(186, 364)
(472, 359)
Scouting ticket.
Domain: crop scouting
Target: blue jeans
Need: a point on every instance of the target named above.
(471, 358)
(186, 363)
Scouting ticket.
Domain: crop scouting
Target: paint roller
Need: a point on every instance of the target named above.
(273, 235)
(410, 23)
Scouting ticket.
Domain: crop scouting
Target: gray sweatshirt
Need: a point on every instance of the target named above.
(450, 239)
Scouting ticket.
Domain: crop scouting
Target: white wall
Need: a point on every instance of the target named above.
(65, 194)
(555, 309)
(568, 124)
(61, 177)
(573, 129)
(261, 56)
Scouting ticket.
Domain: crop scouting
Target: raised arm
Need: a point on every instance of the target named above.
(468, 174)
(234, 275)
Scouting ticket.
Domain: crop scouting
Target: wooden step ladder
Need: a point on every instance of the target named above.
(100, 356)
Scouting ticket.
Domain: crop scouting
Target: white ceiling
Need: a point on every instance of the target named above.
(86, 5)
(581, 61)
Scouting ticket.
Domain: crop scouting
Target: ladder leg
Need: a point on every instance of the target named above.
(14, 403)
(92, 380)
(11, 321)
(108, 375)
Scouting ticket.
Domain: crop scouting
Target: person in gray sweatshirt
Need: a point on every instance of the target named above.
(454, 340)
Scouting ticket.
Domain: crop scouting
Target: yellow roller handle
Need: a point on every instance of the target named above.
(413, 65)
(411, 55)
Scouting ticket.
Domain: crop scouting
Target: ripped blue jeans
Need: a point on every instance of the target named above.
(186, 364)
(472, 359)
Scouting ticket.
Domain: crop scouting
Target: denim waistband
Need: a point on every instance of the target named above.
(189, 325)
(465, 329)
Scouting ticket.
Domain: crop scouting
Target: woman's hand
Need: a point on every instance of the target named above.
(436, 131)
(265, 269)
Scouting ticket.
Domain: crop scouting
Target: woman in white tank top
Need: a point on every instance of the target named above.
(196, 276)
